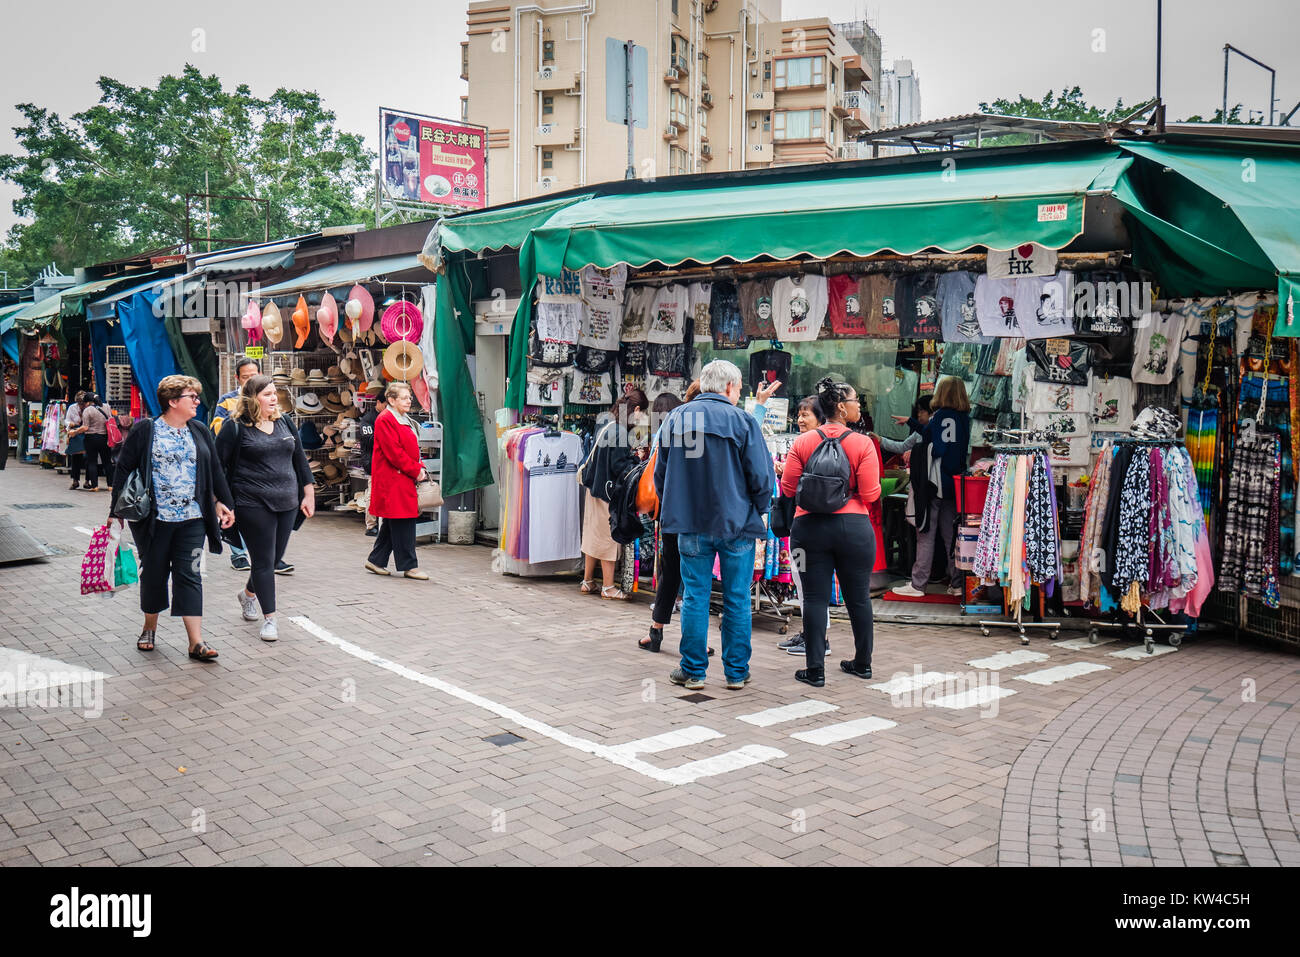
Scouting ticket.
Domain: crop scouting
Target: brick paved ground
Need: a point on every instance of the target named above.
(358, 738)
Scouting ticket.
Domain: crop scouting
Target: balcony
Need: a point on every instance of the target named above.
(679, 61)
(759, 153)
(672, 76)
(759, 100)
(549, 78)
(853, 106)
(706, 100)
(554, 134)
(671, 132)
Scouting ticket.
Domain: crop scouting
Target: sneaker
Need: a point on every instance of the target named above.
(248, 605)
(269, 630)
(371, 532)
(908, 591)
(679, 677)
(283, 568)
(849, 668)
(956, 591)
(737, 683)
(811, 676)
(791, 642)
(802, 649)
(240, 563)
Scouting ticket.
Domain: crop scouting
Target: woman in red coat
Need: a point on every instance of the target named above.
(394, 470)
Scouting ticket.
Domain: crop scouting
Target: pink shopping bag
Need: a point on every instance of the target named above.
(97, 565)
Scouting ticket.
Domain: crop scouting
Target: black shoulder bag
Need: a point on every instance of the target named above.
(135, 500)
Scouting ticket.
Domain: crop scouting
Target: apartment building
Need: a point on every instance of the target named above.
(731, 87)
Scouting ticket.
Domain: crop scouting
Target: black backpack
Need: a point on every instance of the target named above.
(825, 485)
(625, 523)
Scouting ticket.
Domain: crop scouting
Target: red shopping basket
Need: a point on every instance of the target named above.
(971, 492)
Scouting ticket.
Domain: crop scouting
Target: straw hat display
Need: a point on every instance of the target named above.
(272, 324)
(402, 360)
(335, 374)
(298, 377)
(281, 377)
(327, 317)
(309, 404)
(402, 321)
(316, 377)
(301, 322)
(345, 334)
(360, 308)
(285, 400)
(332, 403)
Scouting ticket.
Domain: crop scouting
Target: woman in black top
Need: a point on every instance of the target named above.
(271, 482)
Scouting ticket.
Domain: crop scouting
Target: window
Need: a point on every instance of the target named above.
(548, 105)
(834, 72)
(548, 51)
(681, 53)
(674, 7)
(703, 119)
(799, 71)
(464, 60)
(679, 161)
(464, 109)
(797, 125)
(677, 109)
(767, 70)
(548, 159)
(767, 122)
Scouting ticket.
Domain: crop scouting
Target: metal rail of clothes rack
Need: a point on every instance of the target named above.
(1174, 631)
(1018, 441)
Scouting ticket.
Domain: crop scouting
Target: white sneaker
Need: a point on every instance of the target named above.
(249, 606)
(908, 591)
(956, 590)
(269, 631)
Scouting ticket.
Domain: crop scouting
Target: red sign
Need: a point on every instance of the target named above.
(430, 160)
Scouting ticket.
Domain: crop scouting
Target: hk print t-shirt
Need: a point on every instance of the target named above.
(668, 314)
(845, 305)
(604, 285)
(566, 287)
(1029, 259)
(768, 366)
(958, 313)
(799, 307)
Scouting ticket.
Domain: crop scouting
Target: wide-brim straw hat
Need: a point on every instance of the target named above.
(375, 387)
(272, 324)
(332, 403)
(283, 397)
(403, 361)
(298, 377)
(309, 403)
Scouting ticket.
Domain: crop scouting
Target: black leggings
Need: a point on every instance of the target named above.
(670, 580)
(843, 545)
(266, 536)
(170, 549)
(97, 454)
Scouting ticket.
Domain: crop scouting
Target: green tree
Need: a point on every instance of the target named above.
(111, 181)
(1234, 116)
(1068, 105)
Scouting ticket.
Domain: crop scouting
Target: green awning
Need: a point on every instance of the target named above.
(945, 202)
(37, 315)
(505, 228)
(343, 275)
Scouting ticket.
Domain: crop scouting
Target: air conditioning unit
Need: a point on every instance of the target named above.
(544, 129)
(706, 149)
(670, 130)
(673, 73)
(753, 124)
(546, 182)
(545, 73)
(753, 71)
(707, 98)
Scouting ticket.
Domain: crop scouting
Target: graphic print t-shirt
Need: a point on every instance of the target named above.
(1062, 361)
(1155, 348)
(559, 321)
(1112, 404)
(876, 294)
(724, 312)
(1108, 302)
(668, 314)
(602, 325)
(799, 307)
(566, 287)
(995, 306)
(1053, 397)
(699, 296)
(1044, 305)
(604, 285)
(958, 313)
(770, 365)
(636, 313)
(845, 305)
(756, 309)
(1030, 259)
(591, 388)
(917, 306)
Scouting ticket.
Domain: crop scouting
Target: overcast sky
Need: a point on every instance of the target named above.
(360, 56)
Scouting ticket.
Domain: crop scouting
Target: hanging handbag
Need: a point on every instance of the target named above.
(135, 500)
(781, 519)
(428, 495)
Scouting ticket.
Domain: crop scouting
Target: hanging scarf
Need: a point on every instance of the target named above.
(1250, 533)
(1131, 552)
(1042, 556)
(987, 549)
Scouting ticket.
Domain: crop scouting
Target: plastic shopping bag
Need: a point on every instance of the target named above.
(97, 565)
(125, 570)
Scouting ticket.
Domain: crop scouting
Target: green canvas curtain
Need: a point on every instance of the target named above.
(466, 465)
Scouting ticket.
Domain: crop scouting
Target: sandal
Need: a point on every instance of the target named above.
(655, 639)
(613, 593)
(588, 587)
(145, 641)
(203, 652)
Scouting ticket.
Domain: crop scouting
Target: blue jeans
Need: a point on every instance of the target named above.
(736, 563)
(236, 551)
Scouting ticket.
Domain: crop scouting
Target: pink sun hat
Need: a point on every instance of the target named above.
(252, 322)
(327, 316)
(364, 309)
(402, 320)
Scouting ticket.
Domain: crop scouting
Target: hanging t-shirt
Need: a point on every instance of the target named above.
(1155, 348)
(990, 396)
(543, 353)
(667, 358)
(1053, 397)
(592, 388)
(756, 309)
(876, 300)
(770, 365)
(594, 360)
(1067, 425)
(917, 307)
(995, 306)
(698, 297)
(957, 310)
(1108, 302)
(799, 307)
(1070, 453)
(602, 325)
(896, 400)
(844, 306)
(544, 387)
(1112, 403)
(1022, 380)
(724, 313)
(1044, 305)
(1029, 259)
(631, 358)
(563, 288)
(657, 385)
(554, 505)
(1063, 361)
(604, 285)
(668, 314)
(960, 360)
(637, 302)
(559, 321)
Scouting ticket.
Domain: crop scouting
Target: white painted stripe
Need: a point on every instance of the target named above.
(905, 684)
(1139, 652)
(1007, 659)
(675, 776)
(1082, 644)
(30, 672)
(747, 756)
(788, 712)
(972, 698)
(679, 738)
(844, 731)
(84, 531)
(1050, 676)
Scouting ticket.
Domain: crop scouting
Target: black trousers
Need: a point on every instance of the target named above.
(266, 536)
(670, 580)
(97, 459)
(171, 549)
(75, 461)
(842, 545)
(396, 538)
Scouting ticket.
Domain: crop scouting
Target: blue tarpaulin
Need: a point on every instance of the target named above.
(103, 335)
(147, 345)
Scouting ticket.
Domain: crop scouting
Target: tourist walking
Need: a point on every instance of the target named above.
(272, 484)
(245, 369)
(76, 451)
(190, 502)
(394, 471)
(808, 417)
(366, 430)
(833, 473)
(94, 427)
(610, 458)
(714, 479)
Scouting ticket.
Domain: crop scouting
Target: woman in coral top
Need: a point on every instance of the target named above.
(835, 544)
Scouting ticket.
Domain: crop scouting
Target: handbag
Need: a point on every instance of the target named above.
(96, 564)
(647, 498)
(781, 519)
(428, 495)
(135, 500)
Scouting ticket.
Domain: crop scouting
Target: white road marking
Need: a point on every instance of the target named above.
(913, 682)
(41, 674)
(788, 712)
(1007, 659)
(1082, 644)
(844, 731)
(973, 698)
(84, 531)
(1139, 652)
(679, 738)
(1050, 676)
(744, 757)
